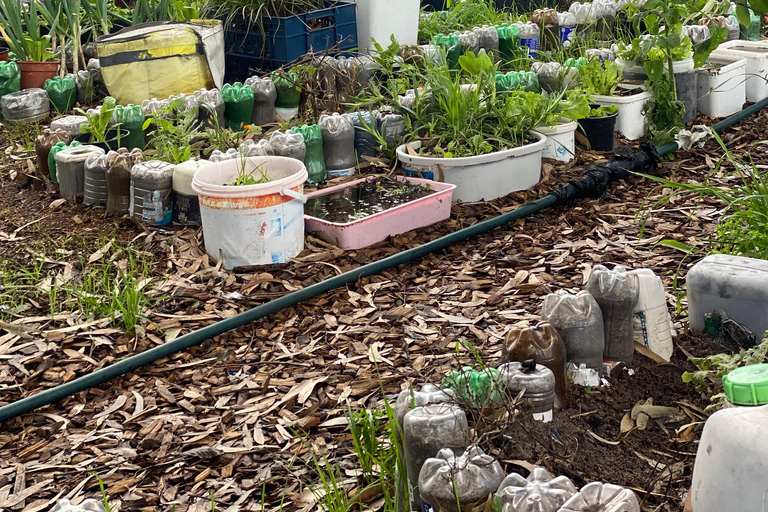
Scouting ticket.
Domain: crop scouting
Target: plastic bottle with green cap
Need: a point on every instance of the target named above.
(747, 385)
(62, 92)
(288, 93)
(313, 159)
(131, 118)
(238, 105)
(59, 146)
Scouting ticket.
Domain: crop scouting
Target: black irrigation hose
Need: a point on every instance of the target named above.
(592, 184)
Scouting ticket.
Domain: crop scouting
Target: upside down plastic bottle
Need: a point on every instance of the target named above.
(314, 158)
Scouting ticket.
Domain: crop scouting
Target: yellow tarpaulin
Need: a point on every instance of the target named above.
(157, 60)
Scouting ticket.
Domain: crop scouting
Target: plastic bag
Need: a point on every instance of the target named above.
(264, 97)
(579, 321)
(537, 493)
(27, 106)
(616, 291)
(90, 505)
(599, 497)
(697, 33)
(62, 93)
(288, 144)
(314, 158)
(238, 105)
(461, 482)
(131, 118)
(59, 146)
(338, 144)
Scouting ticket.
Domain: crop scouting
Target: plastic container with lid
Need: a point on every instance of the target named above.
(544, 345)
(427, 430)
(70, 169)
(579, 321)
(652, 324)
(26, 106)
(731, 462)
(186, 205)
(736, 285)
(616, 292)
(537, 380)
(70, 124)
(600, 497)
(43, 144)
(338, 133)
(453, 483)
(540, 492)
(151, 185)
(95, 180)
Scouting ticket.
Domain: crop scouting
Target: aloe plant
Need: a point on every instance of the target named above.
(29, 45)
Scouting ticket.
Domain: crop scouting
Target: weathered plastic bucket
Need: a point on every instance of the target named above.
(252, 224)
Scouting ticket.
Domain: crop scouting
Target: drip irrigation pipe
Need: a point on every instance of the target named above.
(591, 184)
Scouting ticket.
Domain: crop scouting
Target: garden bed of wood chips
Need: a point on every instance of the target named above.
(225, 415)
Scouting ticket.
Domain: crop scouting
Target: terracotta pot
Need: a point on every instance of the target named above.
(34, 74)
(4, 54)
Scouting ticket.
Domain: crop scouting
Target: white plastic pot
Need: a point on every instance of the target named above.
(756, 70)
(561, 144)
(380, 20)
(480, 177)
(631, 120)
(721, 90)
(252, 224)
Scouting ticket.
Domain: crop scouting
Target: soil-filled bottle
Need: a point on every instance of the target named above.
(537, 493)
(489, 40)
(238, 105)
(392, 128)
(325, 77)
(186, 204)
(119, 165)
(338, 144)
(61, 92)
(10, 79)
(347, 71)
(95, 180)
(427, 430)
(314, 158)
(469, 41)
(509, 42)
(580, 11)
(288, 87)
(451, 47)
(59, 146)
(544, 345)
(131, 118)
(547, 21)
(599, 497)
(566, 28)
(537, 380)
(288, 144)
(70, 169)
(211, 107)
(579, 322)
(366, 143)
(26, 106)
(260, 148)
(43, 144)
(151, 186)
(530, 36)
(616, 292)
(451, 482)
(264, 97)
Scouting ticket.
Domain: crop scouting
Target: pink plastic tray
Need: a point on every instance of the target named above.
(361, 233)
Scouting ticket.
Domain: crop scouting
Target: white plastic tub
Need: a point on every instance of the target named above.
(631, 120)
(480, 177)
(381, 19)
(721, 87)
(756, 70)
(561, 143)
(252, 224)
(360, 233)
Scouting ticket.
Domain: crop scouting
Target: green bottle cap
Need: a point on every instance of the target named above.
(747, 385)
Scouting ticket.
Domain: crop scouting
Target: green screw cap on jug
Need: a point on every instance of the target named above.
(62, 92)
(238, 105)
(131, 118)
(52, 156)
(747, 385)
(313, 159)
(478, 387)
(10, 79)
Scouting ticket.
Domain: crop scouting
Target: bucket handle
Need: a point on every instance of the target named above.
(293, 194)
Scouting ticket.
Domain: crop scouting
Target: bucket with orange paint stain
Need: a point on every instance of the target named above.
(257, 224)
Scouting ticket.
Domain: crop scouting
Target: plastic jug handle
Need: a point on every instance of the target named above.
(295, 195)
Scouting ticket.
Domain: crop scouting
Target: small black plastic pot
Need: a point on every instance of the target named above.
(599, 131)
(112, 141)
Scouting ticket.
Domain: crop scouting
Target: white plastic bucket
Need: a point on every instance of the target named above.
(561, 144)
(631, 120)
(721, 91)
(480, 177)
(252, 224)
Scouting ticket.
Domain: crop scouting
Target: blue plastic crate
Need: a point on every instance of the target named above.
(288, 39)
